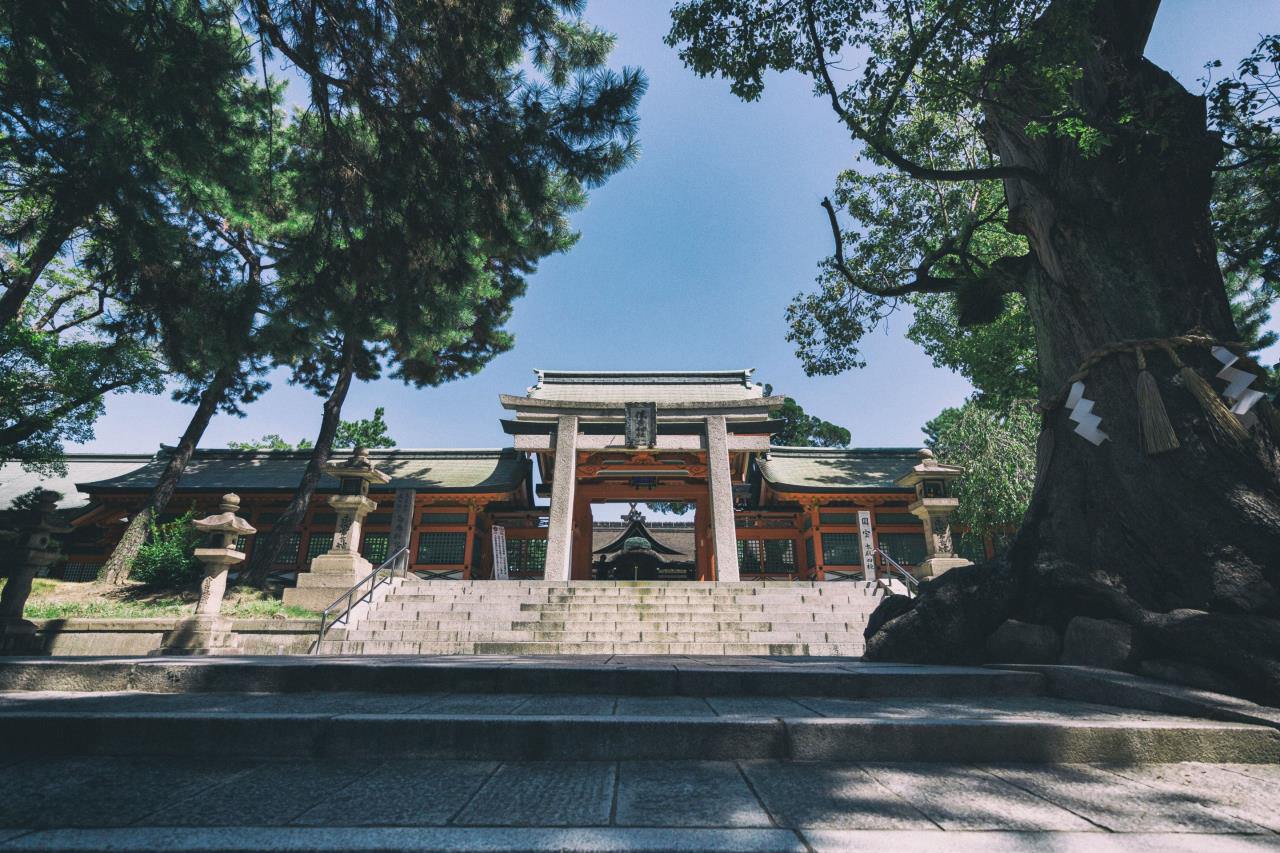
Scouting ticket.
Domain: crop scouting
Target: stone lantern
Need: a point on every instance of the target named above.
(217, 553)
(932, 482)
(338, 570)
(36, 548)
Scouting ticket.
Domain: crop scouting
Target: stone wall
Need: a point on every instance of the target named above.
(136, 637)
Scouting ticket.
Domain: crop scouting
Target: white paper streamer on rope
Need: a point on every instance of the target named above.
(1238, 392)
(1082, 413)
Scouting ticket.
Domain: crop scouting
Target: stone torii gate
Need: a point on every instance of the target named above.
(642, 436)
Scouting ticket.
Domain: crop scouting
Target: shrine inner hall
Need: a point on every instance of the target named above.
(578, 439)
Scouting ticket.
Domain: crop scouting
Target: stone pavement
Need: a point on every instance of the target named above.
(614, 753)
(245, 804)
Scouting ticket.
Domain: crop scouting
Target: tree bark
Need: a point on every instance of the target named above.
(267, 547)
(1184, 545)
(118, 565)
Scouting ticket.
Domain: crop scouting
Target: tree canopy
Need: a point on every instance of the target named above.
(1025, 165)
(364, 432)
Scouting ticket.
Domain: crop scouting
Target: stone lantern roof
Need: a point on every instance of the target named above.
(929, 468)
(358, 466)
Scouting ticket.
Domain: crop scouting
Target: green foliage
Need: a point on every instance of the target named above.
(670, 507)
(270, 441)
(912, 83)
(800, 429)
(37, 609)
(997, 449)
(166, 560)
(998, 358)
(939, 247)
(1245, 107)
(267, 609)
(366, 432)
(56, 363)
(105, 108)
(29, 500)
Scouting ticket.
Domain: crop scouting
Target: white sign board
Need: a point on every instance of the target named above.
(868, 545)
(500, 572)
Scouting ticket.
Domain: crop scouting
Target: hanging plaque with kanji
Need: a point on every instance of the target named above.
(642, 424)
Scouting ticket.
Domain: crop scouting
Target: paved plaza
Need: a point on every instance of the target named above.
(617, 753)
(184, 803)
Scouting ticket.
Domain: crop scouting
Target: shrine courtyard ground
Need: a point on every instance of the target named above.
(623, 753)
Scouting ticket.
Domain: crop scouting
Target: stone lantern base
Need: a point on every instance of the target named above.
(19, 637)
(331, 575)
(935, 566)
(199, 635)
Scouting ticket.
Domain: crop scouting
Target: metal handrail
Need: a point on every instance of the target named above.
(376, 578)
(913, 585)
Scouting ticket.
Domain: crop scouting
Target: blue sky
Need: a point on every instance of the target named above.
(687, 260)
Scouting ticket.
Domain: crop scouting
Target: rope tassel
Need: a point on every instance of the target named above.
(1153, 420)
(1225, 426)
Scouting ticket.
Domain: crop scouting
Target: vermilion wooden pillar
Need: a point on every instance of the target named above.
(581, 560)
(704, 555)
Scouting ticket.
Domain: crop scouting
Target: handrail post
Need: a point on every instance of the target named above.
(372, 579)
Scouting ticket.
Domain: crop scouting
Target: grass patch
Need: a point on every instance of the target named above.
(266, 610)
(53, 599)
(38, 609)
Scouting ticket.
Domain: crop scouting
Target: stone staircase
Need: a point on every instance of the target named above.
(609, 617)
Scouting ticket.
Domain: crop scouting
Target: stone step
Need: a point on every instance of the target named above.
(619, 629)
(602, 647)
(370, 726)
(536, 607)
(481, 635)
(634, 587)
(593, 621)
(636, 676)
(648, 600)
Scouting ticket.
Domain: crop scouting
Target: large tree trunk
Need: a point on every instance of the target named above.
(1184, 545)
(267, 548)
(117, 567)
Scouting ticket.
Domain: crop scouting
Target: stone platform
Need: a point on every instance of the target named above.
(623, 753)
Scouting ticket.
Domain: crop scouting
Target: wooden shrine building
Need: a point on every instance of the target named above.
(578, 439)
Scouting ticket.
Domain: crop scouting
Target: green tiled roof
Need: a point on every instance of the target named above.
(821, 469)
(425, 470)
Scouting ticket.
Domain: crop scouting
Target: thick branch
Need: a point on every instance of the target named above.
(309, 66)
(896, 158)
(27, 428)
(924, 283)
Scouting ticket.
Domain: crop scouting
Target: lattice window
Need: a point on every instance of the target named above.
(289, 551)
(375, 546)
(242, 542)
(444, 518)
(902, 518)
(318, 544)
(440, 549)
(808, 551)
(80, 572)
(766, 555)
(841, 549)
(526, 555)
(838, 517)
(905, 548)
